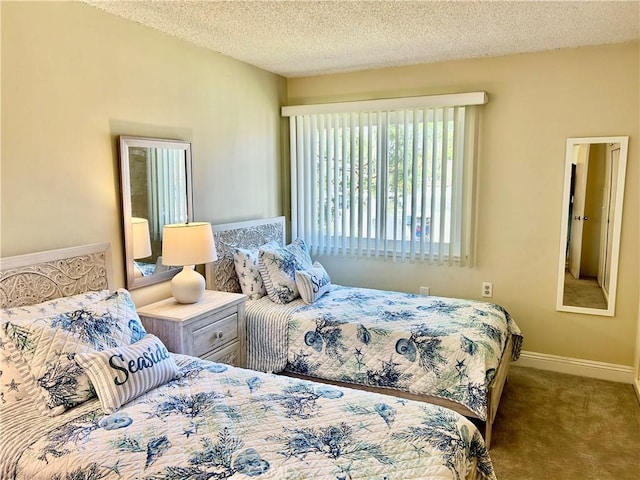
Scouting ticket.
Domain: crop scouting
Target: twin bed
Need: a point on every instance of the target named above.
(451, 352)
(195, 419)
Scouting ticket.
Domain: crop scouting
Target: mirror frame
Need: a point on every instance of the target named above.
(617, 224)
(125, 143)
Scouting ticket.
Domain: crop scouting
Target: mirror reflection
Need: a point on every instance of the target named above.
(592, 212)
(156, 190)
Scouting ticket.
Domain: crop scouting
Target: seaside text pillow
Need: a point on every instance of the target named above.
(313, 282)
(249, 277)
(48, 346)
(12, 382)
(278, 266)
(122, 374)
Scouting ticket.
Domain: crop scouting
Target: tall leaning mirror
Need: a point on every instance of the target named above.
(591, 221)
(156, 190)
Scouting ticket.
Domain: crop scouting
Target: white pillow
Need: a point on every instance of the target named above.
(313, 282)
(278, 267)
(12, 382)
(249, 277)
(48, 345)
(123, 374)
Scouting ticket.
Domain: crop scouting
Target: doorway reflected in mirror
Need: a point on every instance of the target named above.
(592, 211)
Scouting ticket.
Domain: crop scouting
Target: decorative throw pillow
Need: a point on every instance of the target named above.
(313, 282)
(246, 265)
(47, 347)
(278, 267)
(122, 374)
(12, 382)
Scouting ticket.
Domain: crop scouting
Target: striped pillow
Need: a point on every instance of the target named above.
(123, 374)
(313, 282)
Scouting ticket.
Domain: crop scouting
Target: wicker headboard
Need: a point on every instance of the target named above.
(221, 274)
(37, 277)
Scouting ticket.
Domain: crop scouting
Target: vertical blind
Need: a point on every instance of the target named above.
(393, 183)
(166, 188)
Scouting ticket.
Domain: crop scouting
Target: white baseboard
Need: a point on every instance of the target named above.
(577, 366)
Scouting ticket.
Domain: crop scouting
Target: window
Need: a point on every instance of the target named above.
(386, 178)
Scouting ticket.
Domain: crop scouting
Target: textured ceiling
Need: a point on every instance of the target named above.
(299, 38)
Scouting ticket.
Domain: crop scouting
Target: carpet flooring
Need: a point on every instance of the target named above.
(584, 293)
(556, 426)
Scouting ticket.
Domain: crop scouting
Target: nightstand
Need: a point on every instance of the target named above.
(212, 329)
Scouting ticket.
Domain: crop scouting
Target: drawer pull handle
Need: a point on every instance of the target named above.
(217, 335)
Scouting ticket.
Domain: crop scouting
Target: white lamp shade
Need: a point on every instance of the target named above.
(141, 238)
(188, 244)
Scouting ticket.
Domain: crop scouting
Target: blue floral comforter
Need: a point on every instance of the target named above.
(219, 422)
(443, 347)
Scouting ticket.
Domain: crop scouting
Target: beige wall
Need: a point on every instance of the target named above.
(536, 101)
(74, 78)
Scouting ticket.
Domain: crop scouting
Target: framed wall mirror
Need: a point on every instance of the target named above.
(592, 204)
(156, 188)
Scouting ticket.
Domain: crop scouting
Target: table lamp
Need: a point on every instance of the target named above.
(186, 245)
(141, 238)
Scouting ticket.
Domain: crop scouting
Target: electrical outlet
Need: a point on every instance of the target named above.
(424, 291)
(487, 289)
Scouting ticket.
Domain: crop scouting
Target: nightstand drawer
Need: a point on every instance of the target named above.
(228, 355)
(214, 335)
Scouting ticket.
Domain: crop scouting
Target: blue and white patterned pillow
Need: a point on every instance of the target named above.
(122, 374)
(247, 269)
(47, 347)
(12, 382)
(278, 266)
(313, 282)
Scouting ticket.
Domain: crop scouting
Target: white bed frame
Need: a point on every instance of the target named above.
(38, 277)
(253, 233)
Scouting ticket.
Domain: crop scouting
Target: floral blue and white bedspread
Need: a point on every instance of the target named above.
(220, 422)
(443, 347)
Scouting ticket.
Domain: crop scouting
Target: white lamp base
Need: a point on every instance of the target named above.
(187, 286)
